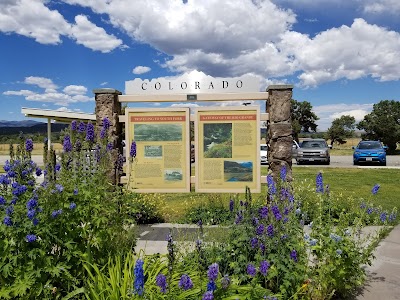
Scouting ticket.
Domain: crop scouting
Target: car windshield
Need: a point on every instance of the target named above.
(313, 144)
(369, 145)
(264, 148)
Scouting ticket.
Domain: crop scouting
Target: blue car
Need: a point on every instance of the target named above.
(369, 152)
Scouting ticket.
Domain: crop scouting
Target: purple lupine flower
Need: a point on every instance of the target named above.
(370, 210)
(319, 183)
(67, 146)
(271, 185)
(72, 206)
(254, 242)
(231, 205)
(276, 212)
(7, 166)
(103, 133)
(119, 164)
(59, 188)
(4, 180)
(225, 282)
(7, 221)
(255, 221)
(28, 145)
(375, 189)
(392, 217)
(293, 255)
(74, 125)
(31, 214)
(264, 266)
(213, 271)
(260, 229)
(56, 213)
(383, 216)
(30, 238)
(284, 193)
(132, 153)
(9, 210)
(209, 295)
(139, 277)
(109, 146)
(75, 191)
(57, 167)
(263, 212)
(82, 127)
(239, 218)
(283, 173)
(90, 132)
(211, 286)
(251, 270)
(270, 230)
(262, 248)
(2, 201)
(185, 283)
(106, 123)
(161, 282)
(35, 222)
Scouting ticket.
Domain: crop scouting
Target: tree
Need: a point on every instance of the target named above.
(341, 129)
(303, 119)
(383, 123)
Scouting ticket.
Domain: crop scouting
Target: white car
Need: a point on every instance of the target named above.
(264, 154)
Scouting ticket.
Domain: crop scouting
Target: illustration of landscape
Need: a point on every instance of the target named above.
(173, 175)
(157, 132)
(217, 140)
(238, 170)
(153, 151)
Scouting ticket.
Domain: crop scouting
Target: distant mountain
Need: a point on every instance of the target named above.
(38, 127)
(24, 123)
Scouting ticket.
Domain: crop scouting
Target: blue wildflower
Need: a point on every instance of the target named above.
(7, 166)
(213, 271)
(4, 180)
(319, 183)
(211, 286)
(270, 230)
(74, 125)
(283, 173)
(35, 221)
(161, 282)
(2, 201)
(185, 282)
(251, 270)
(263, 212)
(293, 255)
(139, 277)
(90, 132)
(260, 229)
(7, 221)
(276, 212)
(254, 221)
(75, 191)
(132, 152)
(339, 252)
(72, 206)
(9, 210)
(32, 203)
(271, 185)
(370, 210)
(109, 146)
(264, 266)
(56, 213)
(209, 295)
(81, 127)
(375, 189)
(336, 237)
(254, 242)
(231, 205)
(67, 144)
(31, 214)
(383, 216)
(313, 242)
(239, 217)
(30, 238)
(28, 145)
(59, 187)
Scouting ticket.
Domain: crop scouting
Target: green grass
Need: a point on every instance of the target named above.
(356, 183)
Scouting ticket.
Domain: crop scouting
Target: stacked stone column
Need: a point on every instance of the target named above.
(107, 105)
(279, 134)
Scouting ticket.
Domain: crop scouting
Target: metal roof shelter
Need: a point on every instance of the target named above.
(58, 116)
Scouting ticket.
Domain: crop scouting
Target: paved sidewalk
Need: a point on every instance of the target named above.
(383, 281)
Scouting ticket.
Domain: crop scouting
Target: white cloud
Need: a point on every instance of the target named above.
(141, 70)
(381, 6)
(41, 82)
(96, 38)
(75, 90)
(70, 94)
(327, 113)
(31, 18)
(104, 83)
(64, 109)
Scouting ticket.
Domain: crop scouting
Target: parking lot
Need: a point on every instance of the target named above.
(346, 161)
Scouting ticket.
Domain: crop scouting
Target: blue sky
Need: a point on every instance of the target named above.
(342, 56)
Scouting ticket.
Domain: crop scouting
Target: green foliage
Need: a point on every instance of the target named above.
(144, 208)
(383, 123)
(303, 118)
(47, 230)
(211, 212)
(341, 129)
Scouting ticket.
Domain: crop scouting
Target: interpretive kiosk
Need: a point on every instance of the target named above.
(162, 161)
(227, 156)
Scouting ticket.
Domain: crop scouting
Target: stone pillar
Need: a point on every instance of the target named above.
(279, 133)
(107, 105)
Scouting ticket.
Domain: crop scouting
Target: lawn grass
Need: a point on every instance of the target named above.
(352, 182)
(37, 148)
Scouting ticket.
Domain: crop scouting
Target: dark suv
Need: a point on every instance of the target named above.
(313, 150)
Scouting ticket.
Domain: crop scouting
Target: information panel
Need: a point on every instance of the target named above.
(162, 162)
(227, 149)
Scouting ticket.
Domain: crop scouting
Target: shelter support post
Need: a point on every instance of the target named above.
(279, 134)
(48, 134)
(107, 105)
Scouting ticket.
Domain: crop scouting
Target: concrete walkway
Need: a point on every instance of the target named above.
(383, 282)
